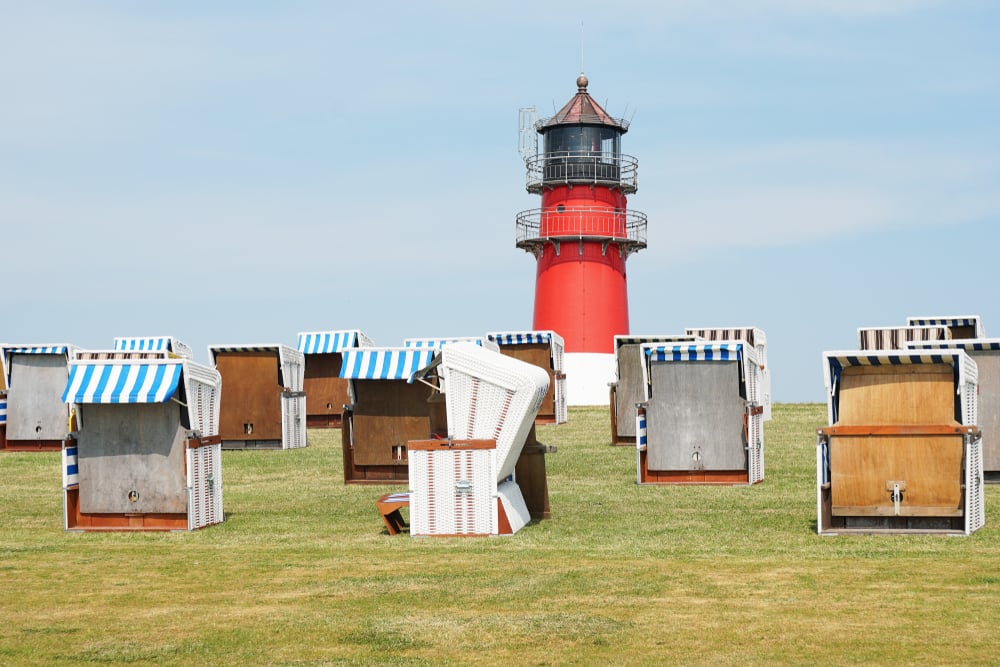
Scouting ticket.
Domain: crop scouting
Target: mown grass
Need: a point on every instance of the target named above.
(303, 573)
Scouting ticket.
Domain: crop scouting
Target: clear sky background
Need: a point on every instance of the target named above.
(237, 172)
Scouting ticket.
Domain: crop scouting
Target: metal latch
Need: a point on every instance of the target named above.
(463, 487)
(895, 489)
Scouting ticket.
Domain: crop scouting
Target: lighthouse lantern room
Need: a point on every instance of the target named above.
(581, 236)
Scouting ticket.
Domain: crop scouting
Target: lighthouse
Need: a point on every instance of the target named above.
(581, 236)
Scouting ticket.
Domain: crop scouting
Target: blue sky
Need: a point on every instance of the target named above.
(237, 172)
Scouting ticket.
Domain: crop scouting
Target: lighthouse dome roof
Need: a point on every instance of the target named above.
(582, 110)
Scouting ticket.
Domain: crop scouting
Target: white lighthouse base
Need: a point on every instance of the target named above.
(588, 375)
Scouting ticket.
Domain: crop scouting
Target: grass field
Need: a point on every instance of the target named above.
(303, 572)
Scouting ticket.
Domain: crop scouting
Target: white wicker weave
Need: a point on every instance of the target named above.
(293, 420)
(453, 492)
(975, 501)
(203, 386)
(204, 480)
(456, 490)
(492, 396)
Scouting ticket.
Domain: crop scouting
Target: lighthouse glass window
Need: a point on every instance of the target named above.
(577, 140)
(581, 151)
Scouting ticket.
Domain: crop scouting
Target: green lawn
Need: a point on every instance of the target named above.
(303, 572)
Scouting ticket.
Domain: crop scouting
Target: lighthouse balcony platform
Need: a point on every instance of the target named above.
(563, 224)
(581, 167)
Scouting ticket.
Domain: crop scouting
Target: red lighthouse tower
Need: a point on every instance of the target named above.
(581, 236)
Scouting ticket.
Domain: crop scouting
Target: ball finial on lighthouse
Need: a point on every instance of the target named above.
(581, 83)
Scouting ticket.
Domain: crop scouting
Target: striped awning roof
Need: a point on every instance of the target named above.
(973, 321)
(520, 337)
(439, 342)
(892, 358)
(142, 344)
(327, 342)
(37, 349)
(963, 365)
(96, 382)
(752, 335)
(969, 345)
(9, 350)
(630, 339)
(963, 321)
(385, 363)
(731, 351)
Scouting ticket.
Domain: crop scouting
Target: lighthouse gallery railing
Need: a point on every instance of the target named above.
(581, 222)
(581, 166)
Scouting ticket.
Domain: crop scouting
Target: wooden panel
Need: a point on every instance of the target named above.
(77, 520)
(930, 467)
(532, 480)
(131, 459)
(30, 445)
(629, 391)
(908, 394)
(450, 445)
(326, 391)
(388, 413)
(35, 410)
(694, 420)
(708, 477)
(537, 354)
(251, 395)
(963, 332)
(989, 406)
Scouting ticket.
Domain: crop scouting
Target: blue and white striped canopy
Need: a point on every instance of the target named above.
(439, 342)
(10, 350)
(3, 410)
(71, 467)
(944, 321)
(969, 345)
(973, 321)
(963, 365)
(143, 344)
(694, 352)
(629, 339)
(895, 358)
(37, 349)
(520, 337)
(327, 342)
(100, 382)
(373, 363)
